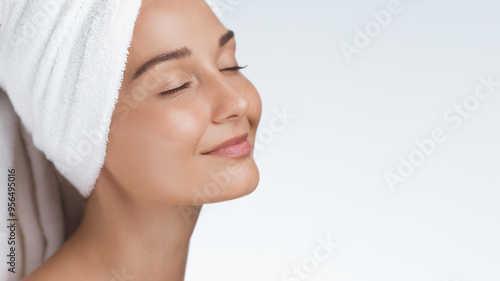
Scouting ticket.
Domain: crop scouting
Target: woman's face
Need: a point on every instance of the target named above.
(158, 143)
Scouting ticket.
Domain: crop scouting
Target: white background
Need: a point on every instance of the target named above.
(323, 173)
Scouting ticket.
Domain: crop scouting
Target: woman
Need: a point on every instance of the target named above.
(182, 135)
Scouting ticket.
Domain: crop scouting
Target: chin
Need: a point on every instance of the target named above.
(239, 185)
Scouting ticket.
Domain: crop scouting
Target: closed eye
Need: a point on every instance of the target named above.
(234, 68)
(173, 91)
(188, 84)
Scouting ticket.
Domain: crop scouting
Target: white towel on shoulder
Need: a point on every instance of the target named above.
(47, 207)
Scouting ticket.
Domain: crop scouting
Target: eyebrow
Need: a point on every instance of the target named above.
(176, 54)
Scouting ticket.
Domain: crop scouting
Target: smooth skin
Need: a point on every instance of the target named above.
(139, 219)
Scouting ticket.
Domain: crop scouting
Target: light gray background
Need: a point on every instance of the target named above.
(323, 173)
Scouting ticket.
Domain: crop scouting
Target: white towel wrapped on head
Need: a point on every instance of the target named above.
(61, 64)
(61, 67)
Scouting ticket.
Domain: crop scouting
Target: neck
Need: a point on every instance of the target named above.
(119, 238)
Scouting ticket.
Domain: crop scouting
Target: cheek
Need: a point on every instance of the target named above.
(151, 151)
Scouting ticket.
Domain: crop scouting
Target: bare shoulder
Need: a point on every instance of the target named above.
(47, 271)
(56, 268)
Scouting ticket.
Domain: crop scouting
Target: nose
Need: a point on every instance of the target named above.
(229, 102)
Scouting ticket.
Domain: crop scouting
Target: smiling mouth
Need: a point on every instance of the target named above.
(234, 147)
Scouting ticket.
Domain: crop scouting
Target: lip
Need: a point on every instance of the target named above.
(234, 147)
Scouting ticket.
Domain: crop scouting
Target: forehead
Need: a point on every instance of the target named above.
(164, 25)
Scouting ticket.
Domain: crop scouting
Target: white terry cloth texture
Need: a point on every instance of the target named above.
(61, 64)
(61, 67)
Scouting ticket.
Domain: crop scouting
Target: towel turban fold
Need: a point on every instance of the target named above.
(61, 65)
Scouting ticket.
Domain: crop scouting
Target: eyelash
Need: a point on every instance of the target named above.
(186, 85)
(173, 91)
(234, 68)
